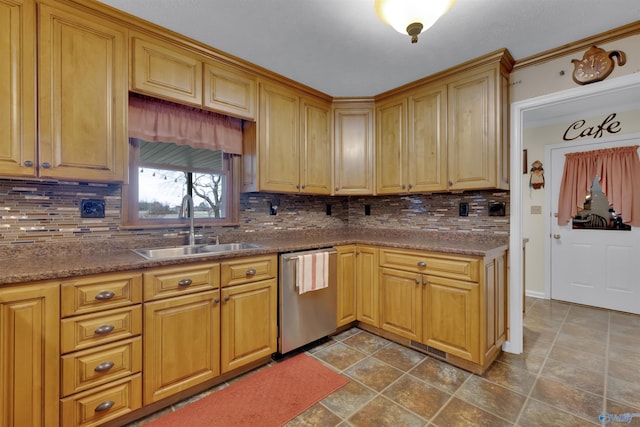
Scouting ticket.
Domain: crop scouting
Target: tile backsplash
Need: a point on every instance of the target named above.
(41, 211)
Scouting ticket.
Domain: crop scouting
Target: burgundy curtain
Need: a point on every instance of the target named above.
(154, 120)
(618, 170)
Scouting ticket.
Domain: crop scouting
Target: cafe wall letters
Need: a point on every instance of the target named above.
(580, 129)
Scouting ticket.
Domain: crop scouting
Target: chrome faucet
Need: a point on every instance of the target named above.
(187, 202)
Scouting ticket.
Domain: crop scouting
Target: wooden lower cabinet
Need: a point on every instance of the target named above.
(346, 283)
(29, 374)
(451, 318)
(368, 303)
(249, 329)
(181, 343)
(453, 304)
(401, 302)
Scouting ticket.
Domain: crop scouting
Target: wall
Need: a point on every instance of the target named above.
(555, 75)
(33, 212)
(533, 224)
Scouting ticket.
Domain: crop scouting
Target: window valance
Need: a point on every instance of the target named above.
(618, 170)
(155, 120)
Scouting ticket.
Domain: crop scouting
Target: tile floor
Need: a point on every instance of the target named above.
(579, 365)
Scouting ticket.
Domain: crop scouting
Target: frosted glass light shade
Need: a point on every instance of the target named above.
(400, 14)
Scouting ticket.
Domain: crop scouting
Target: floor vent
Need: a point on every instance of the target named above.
(437, 352)
(430, 350)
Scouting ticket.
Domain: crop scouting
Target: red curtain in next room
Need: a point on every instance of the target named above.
(618, 170)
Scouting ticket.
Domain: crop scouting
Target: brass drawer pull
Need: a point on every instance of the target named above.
(105, 295)
(251, 272)
(105, 406)
(104, 329)
(422, 264)
(185, 282)
(104, 366)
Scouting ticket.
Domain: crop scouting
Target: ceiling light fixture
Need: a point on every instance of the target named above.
(411, 16)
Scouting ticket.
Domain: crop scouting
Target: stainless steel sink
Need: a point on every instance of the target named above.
(193, 250)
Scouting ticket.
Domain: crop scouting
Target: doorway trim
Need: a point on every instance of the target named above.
(569, 101)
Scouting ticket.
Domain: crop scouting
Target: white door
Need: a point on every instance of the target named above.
(593, 267)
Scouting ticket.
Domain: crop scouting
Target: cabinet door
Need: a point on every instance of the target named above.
(17, 88)
(165, 71)
(181, 343)
(29, 372)
(346, 285)
(427, 140)
(472, 143)
(279, 154)
(249, 323)
(494, 317)
(391, 141)
(401, 302)
(82, 96)
(230, 91)
(315, 147)
(368, 307)
(353, 151)
(451, 316)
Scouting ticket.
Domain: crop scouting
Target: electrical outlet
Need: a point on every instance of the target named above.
(91, 208)
(464, 209)
(367, 210)
(328, 210)
(536, 210)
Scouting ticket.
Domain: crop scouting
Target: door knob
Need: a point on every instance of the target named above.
(556, 236)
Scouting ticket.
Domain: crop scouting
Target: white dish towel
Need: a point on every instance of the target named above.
(313, 272)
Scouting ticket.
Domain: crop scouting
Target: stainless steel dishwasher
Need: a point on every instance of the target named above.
(307, 317)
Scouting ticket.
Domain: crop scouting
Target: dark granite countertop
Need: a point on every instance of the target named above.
(53, 262)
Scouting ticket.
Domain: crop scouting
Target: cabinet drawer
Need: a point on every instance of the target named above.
(457, 267)
(172, 281)
(102, 404)
(245, 270)
(89, 368)
(80, 332)
(91, 294)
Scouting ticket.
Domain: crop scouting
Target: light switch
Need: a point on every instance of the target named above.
(536, 210)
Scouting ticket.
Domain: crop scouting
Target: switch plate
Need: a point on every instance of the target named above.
(92, 208)
(536, 210)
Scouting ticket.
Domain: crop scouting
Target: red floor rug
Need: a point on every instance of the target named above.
(270, 397)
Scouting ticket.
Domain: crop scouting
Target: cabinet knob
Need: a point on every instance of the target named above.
(251, 272)
(417, 281)
(46, 165)
(104, 366)
(422, 264)
(227, 298)
(403, 186)
(217, 300)
(185, 282)
(450, 182)
(303, 186)
(337, 188)
(105, 406)
(410, 186)
(424, 282)
(28, 163)
(104, 329)
(105, 295)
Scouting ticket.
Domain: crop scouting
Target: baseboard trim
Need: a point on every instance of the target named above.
(535, 294)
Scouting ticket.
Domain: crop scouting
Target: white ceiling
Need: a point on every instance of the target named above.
(341, 48)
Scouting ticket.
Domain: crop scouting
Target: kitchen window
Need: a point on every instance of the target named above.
(177, 151)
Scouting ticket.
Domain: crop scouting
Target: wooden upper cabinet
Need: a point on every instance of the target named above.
(279, 154)
(354, 147)
(17, 88)
(82, 101)
(391, 147)
(478, 152)
(427, 139)
(315, 147)
(165, 71)
(229, 91)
